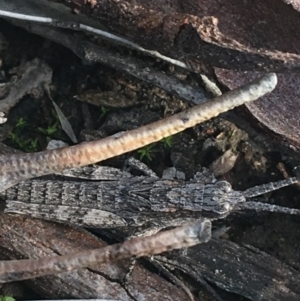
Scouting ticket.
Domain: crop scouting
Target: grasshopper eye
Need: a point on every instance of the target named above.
(224, 186)
(222, 209)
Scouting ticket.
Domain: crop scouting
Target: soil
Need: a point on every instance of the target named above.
(33, 122)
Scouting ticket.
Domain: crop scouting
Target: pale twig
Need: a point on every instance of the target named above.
(96, 31)
(133, 66)
(181, 237)
(15, 168)
(35, 73)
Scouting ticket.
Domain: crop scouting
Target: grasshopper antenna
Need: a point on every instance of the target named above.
(262, 189)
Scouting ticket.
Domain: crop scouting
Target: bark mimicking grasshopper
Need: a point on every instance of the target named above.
(105, 197)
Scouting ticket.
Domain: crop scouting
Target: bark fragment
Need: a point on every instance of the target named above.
(279, 111)
(245, 35)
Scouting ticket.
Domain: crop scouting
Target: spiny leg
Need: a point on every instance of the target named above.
(134, 164)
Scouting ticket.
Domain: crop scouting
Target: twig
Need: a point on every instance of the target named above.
(91, 53)
(96, 31)
(182, 237)
(35, 73)
(133, 66)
